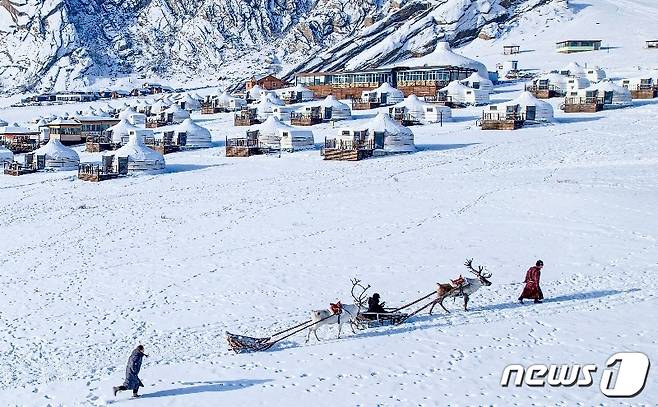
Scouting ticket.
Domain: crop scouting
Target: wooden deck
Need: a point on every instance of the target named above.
(305, 119)
(583, 108)
(15, 169)
(643, 94)
(337, 154)
(511, 124)
(360, 105)
(543, 93)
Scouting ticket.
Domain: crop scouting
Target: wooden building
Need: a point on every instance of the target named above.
(76, 97)
(511, 49)
(94, 126)
(421, 81)
(571, 46)
(19, 139)
(269, 82)
(349, 145)
(641, 87)
(67, 131)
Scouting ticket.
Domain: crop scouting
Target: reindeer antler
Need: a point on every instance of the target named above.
(478, 272)
(360, 299)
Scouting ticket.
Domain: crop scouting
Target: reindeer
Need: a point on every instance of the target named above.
(347, 314)
(444, 291)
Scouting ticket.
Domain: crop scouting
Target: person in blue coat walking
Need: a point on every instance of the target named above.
(132, 381)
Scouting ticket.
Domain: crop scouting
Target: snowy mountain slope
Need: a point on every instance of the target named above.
(70, 44)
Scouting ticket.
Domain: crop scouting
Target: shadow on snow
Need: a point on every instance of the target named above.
(175, 168)
(439, 315)
(442, 147)
(207, 387)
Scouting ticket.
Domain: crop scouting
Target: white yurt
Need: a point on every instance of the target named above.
(175, 114)
(282, 113)
(595, 74)
(443, 55)
(197, 136)
(477, 81)
(256, 92)
(58, 156)
(276, 135)
(188, 103)
(464, 95)
(140, 157)
(574, 69)
(621, 97)
(386, 93)
(120, 131)
(228, 102)
(639, 82)
(6, 156)
(134, 118)
(576, 83)
(44, 131)
(268, 104)
(298, 93)
(532, 109)
(423, 111)
(159, 106)
(339, 110)
(552, 81)
(397, 138)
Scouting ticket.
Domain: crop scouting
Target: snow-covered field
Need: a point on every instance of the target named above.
(173, 260)
(251, 245)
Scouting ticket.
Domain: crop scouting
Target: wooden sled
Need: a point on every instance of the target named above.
(244, 344)
(373, 319)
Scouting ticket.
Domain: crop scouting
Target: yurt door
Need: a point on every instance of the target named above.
(530, 112)
(327, 113)
(379, 139)
(298, 98)
(607, 97)
(383, 98)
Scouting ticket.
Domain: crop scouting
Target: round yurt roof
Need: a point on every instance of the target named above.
(412, 102)
(575, 69)
(543, 112)
(272, 98)
(138, 153)
(443, 56)
(42, 123)
(477, 77)
(196, 135)
(271, 126)
(331, 101)
(620, 95)
(224, 97)
(189, 100)
(5, 155)
(179, 114)
(121, 129)
(455, 87)
(127, 112)
(384, 123)
(54, 150)
(159, 106)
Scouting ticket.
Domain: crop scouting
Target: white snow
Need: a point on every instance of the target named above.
(251, 245)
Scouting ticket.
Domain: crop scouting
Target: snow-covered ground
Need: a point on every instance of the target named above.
(173, 260)
(251, 245)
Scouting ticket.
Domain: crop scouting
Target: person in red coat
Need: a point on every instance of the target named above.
(532, 290)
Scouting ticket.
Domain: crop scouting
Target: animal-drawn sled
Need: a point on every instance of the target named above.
(374, 319)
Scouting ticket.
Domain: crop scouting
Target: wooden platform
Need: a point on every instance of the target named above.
(18, 171)
(643, 94)
(583, 108)
(502, 124)
(92, 147)
(245, 121)
(165, 149)
(240, 151)
(301, 119)
(336, 154)
(543, 93)
(358, 105)
(96, 176)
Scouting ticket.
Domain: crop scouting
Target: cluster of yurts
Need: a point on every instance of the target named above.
(273, 112)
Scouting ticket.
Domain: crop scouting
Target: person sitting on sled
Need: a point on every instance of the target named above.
(375, 307)
(532, 290)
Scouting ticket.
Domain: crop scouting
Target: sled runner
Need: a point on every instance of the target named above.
(373, 319)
